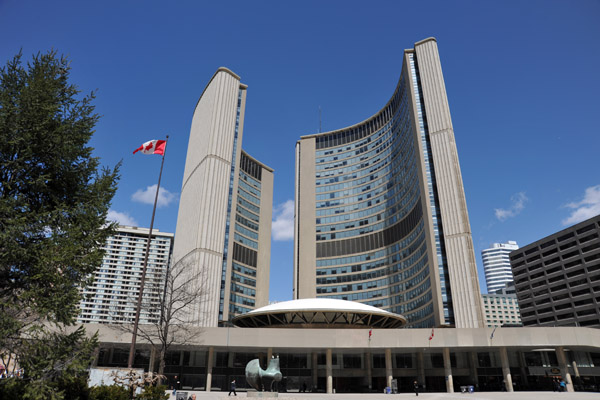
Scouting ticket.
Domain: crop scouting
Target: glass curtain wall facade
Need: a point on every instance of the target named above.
(247, 283)
(224, 222)
(369, 225)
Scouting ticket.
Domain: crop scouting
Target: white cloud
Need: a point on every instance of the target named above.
(121, 218)
(518, 201)
(587, 208)
(283, 224)
(147, 196)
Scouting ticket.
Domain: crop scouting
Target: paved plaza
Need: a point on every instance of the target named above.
(422, 396)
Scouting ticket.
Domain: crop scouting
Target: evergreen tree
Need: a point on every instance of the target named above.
(54, 198)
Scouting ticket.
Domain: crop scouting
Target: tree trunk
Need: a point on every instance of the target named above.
(163, 353)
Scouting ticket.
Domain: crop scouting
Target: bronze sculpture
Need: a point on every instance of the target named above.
(259, 378)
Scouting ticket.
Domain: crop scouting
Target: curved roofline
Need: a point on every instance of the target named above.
(381, 109)
(320, 313)
(429, 39)
(225, 70)
(258, 162)
(382, 313)
(363, 122)
(311, 303)
(230, 72)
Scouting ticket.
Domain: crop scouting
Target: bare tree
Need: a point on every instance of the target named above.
(132, 380)
(183, 291)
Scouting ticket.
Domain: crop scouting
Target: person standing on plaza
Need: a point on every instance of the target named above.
(232, 388)
(416, 387)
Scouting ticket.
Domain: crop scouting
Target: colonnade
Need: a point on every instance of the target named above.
(508, 382)
(420, 367)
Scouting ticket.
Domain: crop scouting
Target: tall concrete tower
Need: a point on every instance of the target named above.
(223, 235)
(381, 215)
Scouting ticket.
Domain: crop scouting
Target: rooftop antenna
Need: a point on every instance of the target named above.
(319, 119)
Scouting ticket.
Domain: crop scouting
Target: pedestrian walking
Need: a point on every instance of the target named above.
(232, 388)
(563, 385)
(416, 387)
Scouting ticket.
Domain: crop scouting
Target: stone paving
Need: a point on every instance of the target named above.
(405, 396)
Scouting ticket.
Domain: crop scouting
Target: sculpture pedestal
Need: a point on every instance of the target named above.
(262, 395)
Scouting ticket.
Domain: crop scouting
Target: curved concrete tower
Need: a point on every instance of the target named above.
(223, 235)
(381, 216)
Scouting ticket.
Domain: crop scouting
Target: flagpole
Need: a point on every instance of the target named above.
(139, 300)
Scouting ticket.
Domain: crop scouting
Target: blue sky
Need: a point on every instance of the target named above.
(522, 80)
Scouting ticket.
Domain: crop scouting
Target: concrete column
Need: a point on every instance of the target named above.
(421, 367)
(388, 367)
(575, 368)
(230, 357)
(315, 370)
(369, 370)
(473, 367)
(564, 368)
(329, 371)
(506, 369)
(269, 356)
(209, 367)
(448, 370)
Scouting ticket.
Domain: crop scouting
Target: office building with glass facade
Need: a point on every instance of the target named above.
(496, 265)
(224, 221)
(381, 216)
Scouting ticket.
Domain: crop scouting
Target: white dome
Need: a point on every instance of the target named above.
(319, 313)
(321, 304)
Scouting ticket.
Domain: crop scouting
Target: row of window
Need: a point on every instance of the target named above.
(390, 255)
(244, 240)
(248, 188)
(396, 212)
(393, 149)
(407, 268)
(252, 199)
(371, 204)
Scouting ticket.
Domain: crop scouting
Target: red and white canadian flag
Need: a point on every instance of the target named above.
(431, 336)
(152, 147)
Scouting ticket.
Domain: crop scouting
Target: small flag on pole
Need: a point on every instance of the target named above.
(431, 336)
(370, 333)
(152, 147)
(494, 331)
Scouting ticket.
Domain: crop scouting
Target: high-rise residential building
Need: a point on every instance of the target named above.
(381, 215)
(496, 265)
(224, 221)
(501, 309)
(557, 278)
(112, 296)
